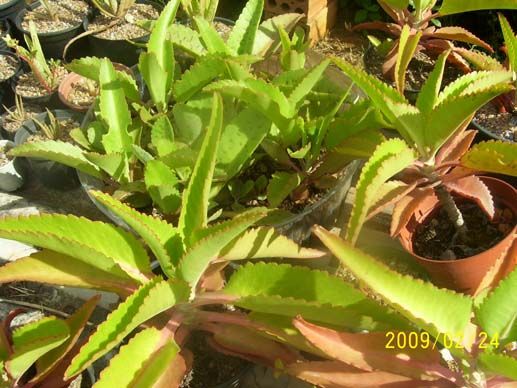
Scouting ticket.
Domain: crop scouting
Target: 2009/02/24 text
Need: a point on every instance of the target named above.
(413, 340)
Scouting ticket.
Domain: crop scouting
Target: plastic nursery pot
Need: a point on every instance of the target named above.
(52, 43)
(484, 134)
(121, 51)
(66, 86)
(51, 174)
(9, 10)
(11, 174)
(50, 101)
(6, 93)
(466, 275)
(5, 28)
(324, 212)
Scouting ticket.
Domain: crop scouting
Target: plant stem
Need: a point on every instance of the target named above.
(452, 210)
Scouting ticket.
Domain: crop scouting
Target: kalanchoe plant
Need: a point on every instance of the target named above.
(38, 353)
(200, 8)
(82, 253)
(434, 150)
(433, 39)
(45, 72)
(506, 103)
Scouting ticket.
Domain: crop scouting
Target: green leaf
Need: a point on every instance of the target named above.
(76, 323)
(100, 245)
(156, 79)
(211, 39)
(510, 39)
(32, 341)
(242, 36)
(498, 311)
(162, 136)
(134, 359)
(114, 110)
(492, 156)
(116, 165)
(499, 364)
(307, 84)
(161, 237)
(60, 152)
(421, 303)
(239, 140)
(389, 158)
(158, 41)
(428, 95)
(186, 39)
(281, 185)
(407, 47)
(262, 243)
(150, 300)
(200, 74)
(267, 38)
(450, 7)
(275, 289)
(209, 242)
(195, 198)
(61, 270)
(162, 185)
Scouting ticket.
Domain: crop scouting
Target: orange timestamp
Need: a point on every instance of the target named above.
(423, 340)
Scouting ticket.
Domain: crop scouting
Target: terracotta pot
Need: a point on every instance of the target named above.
(468, 275)
(65, 87)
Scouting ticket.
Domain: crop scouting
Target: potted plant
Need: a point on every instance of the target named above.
(5, 29)
(497, 119)
(9, 69)
(191, 254)
(38, 86)
(11, 171)
(9, 9)
(15, 116)
(437, 167)
(55, 126)
(423, 24)
(38, 352)
(56, 22)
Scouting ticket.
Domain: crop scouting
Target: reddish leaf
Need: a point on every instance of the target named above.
(438, 46)
(405, 209)
(455, 148)
(388, 67)
(175, 374)
(473, 188)
(396, 14)
(461, 35)
(390, 196)
(390, 28)
(245, 343)
(335, 374)
(368, 351)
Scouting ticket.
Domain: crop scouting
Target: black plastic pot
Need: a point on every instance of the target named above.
(485, 134)
(121, 51)
(6, 27)
(9, 10)
(51, 174)
(6, 93)
(50, 101)
(52, 43)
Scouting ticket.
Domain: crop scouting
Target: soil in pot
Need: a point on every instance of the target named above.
(82, 93)
(210, 368)
(128, 30)
(4, 159)
(28, 86)
(12, 120)
(344, 45)
(435, 238)
(65, 126)
(8, 67)
(64, 14)
(503, 125)
(418, 71)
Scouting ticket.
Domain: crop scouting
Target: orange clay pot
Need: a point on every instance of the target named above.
(472, 274)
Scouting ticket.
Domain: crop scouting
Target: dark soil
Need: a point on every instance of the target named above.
(418, 71)
(210, 368)
(501, 124)
(434, 238)
(128, 29)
